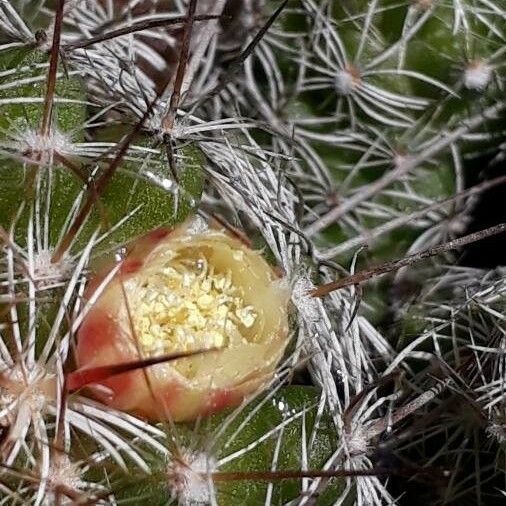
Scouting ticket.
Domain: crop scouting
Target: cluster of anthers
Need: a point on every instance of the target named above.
(187, 306)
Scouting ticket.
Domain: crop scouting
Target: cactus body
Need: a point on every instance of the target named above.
(318, 138)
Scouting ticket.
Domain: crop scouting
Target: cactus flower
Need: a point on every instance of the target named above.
(181, 290)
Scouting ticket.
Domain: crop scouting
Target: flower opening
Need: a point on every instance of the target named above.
(185, 290)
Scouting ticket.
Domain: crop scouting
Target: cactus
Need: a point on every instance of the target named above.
(150, 147)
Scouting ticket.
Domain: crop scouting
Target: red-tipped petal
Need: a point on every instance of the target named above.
(131, 266)
(221, 399)
(98, 331)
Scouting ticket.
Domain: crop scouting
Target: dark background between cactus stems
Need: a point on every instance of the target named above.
(487, 254)
(138, 489)
(490, 210)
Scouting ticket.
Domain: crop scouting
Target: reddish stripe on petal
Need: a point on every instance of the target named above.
(221, 399)
(131, 266)
(83, 377)
(159, 234)
(122, 386)
(97, 332)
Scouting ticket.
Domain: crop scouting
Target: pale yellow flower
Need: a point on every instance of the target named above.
(186, 289)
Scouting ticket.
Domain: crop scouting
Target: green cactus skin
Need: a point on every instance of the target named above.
(287, 409)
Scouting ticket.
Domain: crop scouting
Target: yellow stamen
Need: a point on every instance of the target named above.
(186, 306)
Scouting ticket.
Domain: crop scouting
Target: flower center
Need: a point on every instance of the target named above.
(186, 305)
